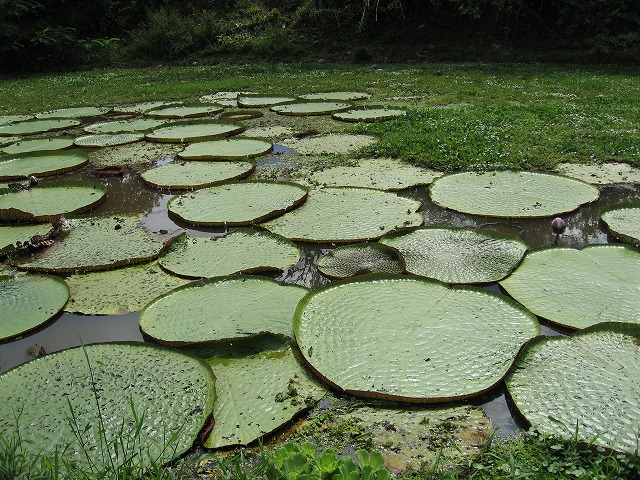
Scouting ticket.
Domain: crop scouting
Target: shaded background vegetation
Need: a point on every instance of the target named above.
(65, 34)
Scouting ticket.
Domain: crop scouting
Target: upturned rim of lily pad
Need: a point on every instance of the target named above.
(615, 230)
(153, 134)
(198, 109)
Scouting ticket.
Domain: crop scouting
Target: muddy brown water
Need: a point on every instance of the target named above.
(129, 194)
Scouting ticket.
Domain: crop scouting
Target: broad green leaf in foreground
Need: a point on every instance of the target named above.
(221, 308)
(624, 223)
(122, 399)
(28, 301)
(37, 145)
(409, 338)
(360, 258)
(190, 175)
(41, 164)
(579, 288)
(585, 386)
(507, 194)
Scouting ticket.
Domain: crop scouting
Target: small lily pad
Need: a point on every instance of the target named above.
(11, 235)
(336, 96)
(108, 139)
(31, 127)
(41, 164)
(360, 258)
(123, 126)
(189, 110)
(332, 143)
(38, 144)
(226, 149)
(369, 114)
(256, 101)
(221, 308)
(191, 175)
(310, 108)
(142, 106)
(624, 223)
(194, 131)
(74, 112)
(601, 174)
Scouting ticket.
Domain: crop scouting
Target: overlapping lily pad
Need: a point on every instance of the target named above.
(623, 222)
(38, 144)
(237, 203)
(310, 108)
(5, 119)
(98, 243)
(226, 149)
(240, 115)
(601, 174)
(579, 288)
(380, 173)
(336, 96)
(4, 141)
(260, 386)
(511, 194)
(585, 386)
(240, 251)
(189, 175)
(11, 235)
(41, 164)
(332, 143)
(255, 101)
(121, 399)
(369, 114)
(228, 99)
(458, 255)
(194, 131)
(74, 112)
(28, 301)
(360, 258)
(347, 215)
(410, 339)
(47, 202)
(140, 124)
(142, 106)
(221, 308)
(139, 153)
(274, 131)
(108, 139)
(31, 127)
(190, 110)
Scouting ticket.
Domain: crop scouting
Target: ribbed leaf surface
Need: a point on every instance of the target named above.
(359, 258)
(624, 223)
(190, 175)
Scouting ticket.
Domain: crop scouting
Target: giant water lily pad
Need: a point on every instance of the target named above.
(369, 114)
(139, 153)
(28, 301)
(310, 108)
(410, 339)
(189, 175)
(190, 110)
(240, 251)
(47, 202)
(360, 258)
(38, 144)
(108, 139)
(74, 112)
(458, 255)
(579, 288)
(254, 101)
(116, 292)
(98, 243)
(237, 203)
(624, 223)
(511, 194)
(31, 127)
(140, 124)
(347, 215)
(332, 143)
(601, 174)
(585, 386)
(227, 149)
(124, 400)
(381, 173)
(194, 130)
(260, 386)
(336, 96)
(11, 235)
(41, 164)
(221, 308)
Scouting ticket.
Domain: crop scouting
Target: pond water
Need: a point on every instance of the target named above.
(129, 194)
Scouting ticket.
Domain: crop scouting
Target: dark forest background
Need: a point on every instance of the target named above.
(69, 34)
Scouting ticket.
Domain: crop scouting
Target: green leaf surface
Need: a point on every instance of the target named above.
(330, 144)
(601, 174)
(226, 149)
(139, 124)
(190, 110)
(369, 114)
(458, 255)
(191, 175)
(6, 119)
(623, 222)
(347, 215)
(28, 301)
(141, 107)
(511, 194)
(44, 203)
(12, 234)
(221, 308)
(579, 288)
(97, 243)
(194, 131)
(360, 258)
(121, 399)
(116, 292)
(585, 386)
(41, 164)
(336, 96)
(108, 139)
(255, 101)
(31, 127)
(260, 385)
(237, 203)
(410, 339)
(240, 251)
(310, 108)
(74, 112)
(139, 153)
(37, 144)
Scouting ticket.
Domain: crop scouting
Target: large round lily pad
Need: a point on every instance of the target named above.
(579, 288)
(601, 174)
(410, 339)
(97, 243)
(260, 387)
(41, 164)
(47, 202)
(511, 194)
(190, 175)
(108, 139)
(624, 223)
(28, 301)
(74, 112)
(124, 400)
(369, 114)
(381, 173)
(240, 251)
(310, 108)
(226, 149)
(336, 96)
(255, 101)
(585, 386)
(140, 124)
(194, 130)
(31, 127)
(190, 110)
(237, 203)
(330, 144)
(360, 258)
(116, 292)
(38, 144)
(5, 119)
(221, 308)
(458, 255)
(347, 215)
